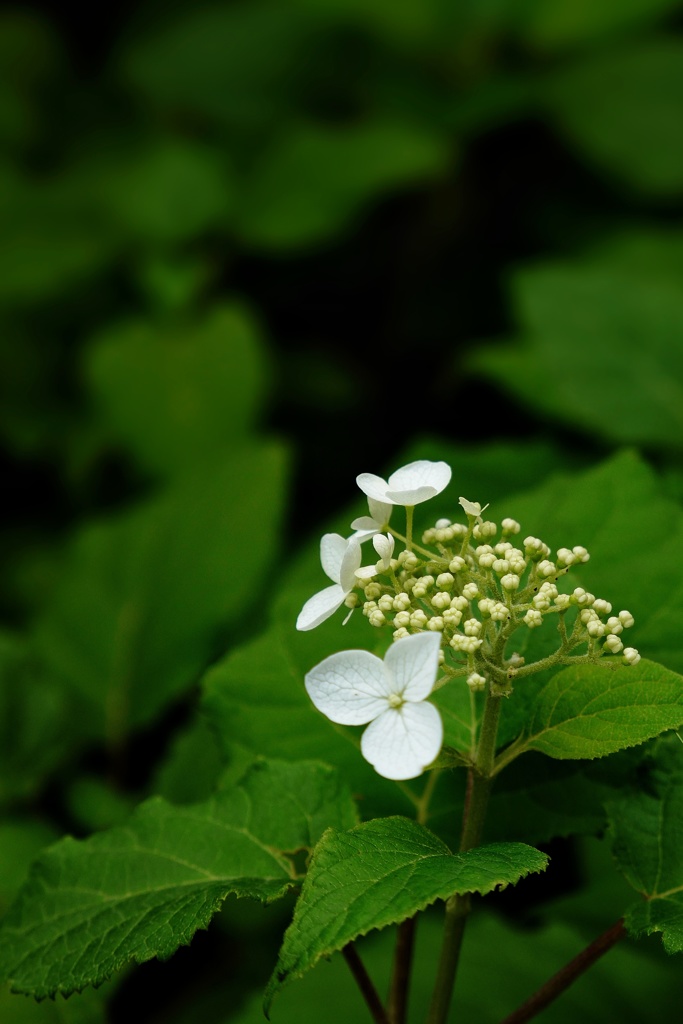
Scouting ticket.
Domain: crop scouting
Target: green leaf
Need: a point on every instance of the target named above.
(238, 65)
(623, 110)
(167, 192)
(588, 711)
(568, 22)
(646, 826)
(21, 840)
(535, 800)
(192, 766)
(273, 715)
(143, 889)
(380, 873)
(144, 595)
(180, 394)
(317, 179)
(620, 328)
(634, 533)
(36, 721)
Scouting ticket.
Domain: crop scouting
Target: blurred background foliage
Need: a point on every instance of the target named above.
(247, 250)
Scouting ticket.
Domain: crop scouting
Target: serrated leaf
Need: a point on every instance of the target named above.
(380, 873)
(178, 395)
(589, 711)
(141, 890)
(135, 617)
(646, 826)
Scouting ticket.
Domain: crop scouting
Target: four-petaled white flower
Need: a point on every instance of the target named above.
(417, 482)
(355, 687)
(340, 558)
(376, 522)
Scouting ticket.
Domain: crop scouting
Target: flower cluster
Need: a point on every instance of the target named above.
(452, 602)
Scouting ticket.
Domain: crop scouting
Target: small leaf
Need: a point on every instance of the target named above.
(380, 873)
(143, 889)
(317, 179)
(623, 109)
(647, 833)
(589, 711)
(180, 395)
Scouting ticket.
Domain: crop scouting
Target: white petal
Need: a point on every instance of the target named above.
(332, 550)
(374, 487)
(320, 607)
(417, 482)
(384, 546)
(350, 687)
(402, 742)
(350, 562)
(365, 528)
(366, 572)
(412, 665)
(380, 511)
(472, 508)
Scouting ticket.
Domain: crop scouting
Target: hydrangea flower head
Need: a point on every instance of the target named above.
(412, 484)
(355, 687)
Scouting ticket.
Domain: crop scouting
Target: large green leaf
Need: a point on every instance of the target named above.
(318, 178)
(380, 873)
(143, 889)
(646, 826)
(623, 108)
(183, 393)
(589, 711)
(586, 327)
(144, 595)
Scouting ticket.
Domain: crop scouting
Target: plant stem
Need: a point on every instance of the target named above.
(479, 781)
(400, 978)
(409, 526)
(365, 984)
(556, 985)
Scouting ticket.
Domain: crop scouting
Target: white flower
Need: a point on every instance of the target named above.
(376, 522)
(472, 508)
(340, 558)
(355, 687)
(410, 485)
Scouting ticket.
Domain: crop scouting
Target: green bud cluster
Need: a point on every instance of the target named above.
(478, 592)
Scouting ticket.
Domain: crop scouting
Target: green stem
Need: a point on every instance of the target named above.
(556, 985)
(409, 526)
(417, 547)
(364, 982)
(400, 979)
(479, 781)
